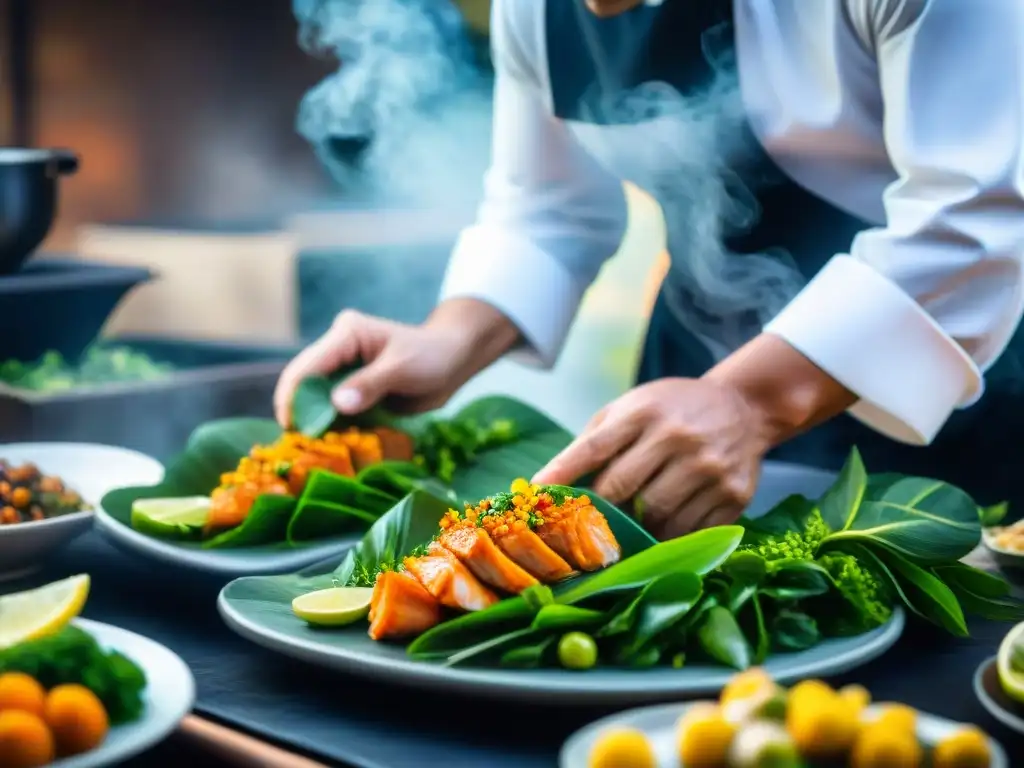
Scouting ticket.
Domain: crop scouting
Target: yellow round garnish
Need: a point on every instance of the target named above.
(967, 748)
(807, 691)
(898, 717)
(879, 746)
(704, 737)
(822, 726)
(25, 741)
(746, 684)
(856, 697)
(622, 748)
(22, 692)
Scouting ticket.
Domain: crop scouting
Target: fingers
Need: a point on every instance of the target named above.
(627, 474)
(592, 450)
(338, 347)
(669, 493)
(367, 386)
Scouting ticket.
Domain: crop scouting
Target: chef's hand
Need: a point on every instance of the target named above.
(689, 451)
(417, 367)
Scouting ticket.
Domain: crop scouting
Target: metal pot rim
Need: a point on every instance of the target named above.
(20, 155)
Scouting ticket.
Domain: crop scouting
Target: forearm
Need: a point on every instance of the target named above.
(789, 393)
(485, 333)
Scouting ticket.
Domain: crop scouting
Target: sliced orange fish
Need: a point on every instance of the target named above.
(515, 538)
(474, 547)
(580, 534)
(448, 580)
(401, 607)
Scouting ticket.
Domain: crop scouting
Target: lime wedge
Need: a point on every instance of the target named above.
(41, 611)
(1010, 663)
(333, 607)
(182, 518)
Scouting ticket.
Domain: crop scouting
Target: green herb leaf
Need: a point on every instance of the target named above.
(661, 604)
(921, 591)
(266, 523)
(841, 503)
(794, 631)
(790, 514)
(410, 523)
(980, 593)
(993, 515)
(722, 639)
(313, 413)
(698, 553)
(795, 580)
(530, 655)
(566, 617)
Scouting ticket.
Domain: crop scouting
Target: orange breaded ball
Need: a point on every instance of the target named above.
(77, 719)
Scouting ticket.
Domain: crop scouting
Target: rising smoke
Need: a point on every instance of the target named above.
(406, 84)
(408, 89)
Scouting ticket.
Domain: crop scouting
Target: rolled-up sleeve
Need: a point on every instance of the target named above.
(918, 309)
(551, 215)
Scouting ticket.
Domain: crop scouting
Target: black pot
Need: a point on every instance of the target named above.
(28, 199)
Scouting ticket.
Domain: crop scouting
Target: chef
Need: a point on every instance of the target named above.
(843, 188)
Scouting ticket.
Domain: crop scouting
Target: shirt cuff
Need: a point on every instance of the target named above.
(525, 283)
(874, 339)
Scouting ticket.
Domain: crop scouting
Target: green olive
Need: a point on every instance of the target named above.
(577, 650)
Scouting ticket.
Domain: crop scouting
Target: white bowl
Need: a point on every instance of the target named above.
(89, 469)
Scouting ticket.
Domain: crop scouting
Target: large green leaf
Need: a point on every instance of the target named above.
(790, 514)
(927, 521)
(841, 502)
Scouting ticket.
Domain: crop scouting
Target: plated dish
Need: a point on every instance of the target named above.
(757, 723)
(999, 681)
(76, 694)
(244, 497)
(48, 493)
(554, 580)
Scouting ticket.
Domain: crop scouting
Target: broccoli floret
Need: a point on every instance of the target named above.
(862, 588)
(794, 545)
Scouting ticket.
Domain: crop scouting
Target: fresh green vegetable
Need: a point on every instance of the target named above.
(98, 365)
(73, 656)
(577, 650)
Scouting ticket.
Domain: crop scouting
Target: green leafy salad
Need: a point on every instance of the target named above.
(807, 571)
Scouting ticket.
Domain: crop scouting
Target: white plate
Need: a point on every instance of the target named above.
(87, 468)
(659, 724)
(243, 561)
(170, 693)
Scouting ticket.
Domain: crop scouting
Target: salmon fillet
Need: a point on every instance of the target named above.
(229, 506)
(474, 547)
(401, 607)
(516, 539)
(581, 535)
(448, 580)
(396, 446)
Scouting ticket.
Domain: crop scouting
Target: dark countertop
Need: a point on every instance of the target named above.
(354, 721)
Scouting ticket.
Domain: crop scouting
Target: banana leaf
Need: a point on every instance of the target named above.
(216, 447)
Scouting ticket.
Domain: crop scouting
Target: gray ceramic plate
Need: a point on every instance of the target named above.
(990, 694)
(227, 562)
(659, 724)
(351, 650)
(259, 609)
(170, 693)
(89, 469)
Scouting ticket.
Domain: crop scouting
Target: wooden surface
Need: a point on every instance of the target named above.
(238, 748)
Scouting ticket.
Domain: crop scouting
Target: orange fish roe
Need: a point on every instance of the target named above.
(524, 505)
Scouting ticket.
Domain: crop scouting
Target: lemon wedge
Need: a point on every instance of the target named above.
(41, 611)
(171, 518)
(1010, 663)
(333, 607)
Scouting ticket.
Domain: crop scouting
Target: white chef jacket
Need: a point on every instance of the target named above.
(907, 113)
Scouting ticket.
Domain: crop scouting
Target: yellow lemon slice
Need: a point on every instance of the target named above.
(1010, 663)
(333, 607)
(41, 611)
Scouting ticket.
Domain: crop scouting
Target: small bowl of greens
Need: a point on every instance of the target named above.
(48, 492)
(98, 365)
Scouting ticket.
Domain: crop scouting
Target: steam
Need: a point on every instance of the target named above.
(407, 89)
(687, 158)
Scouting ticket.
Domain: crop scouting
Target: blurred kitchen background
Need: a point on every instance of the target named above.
(272, 163)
